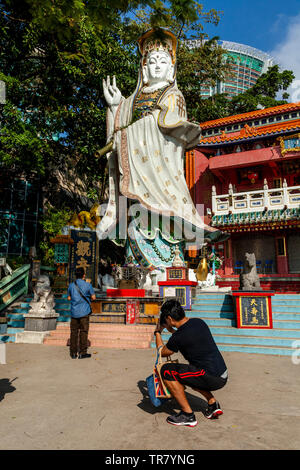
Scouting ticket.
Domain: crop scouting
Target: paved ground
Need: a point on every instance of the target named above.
(59, 403)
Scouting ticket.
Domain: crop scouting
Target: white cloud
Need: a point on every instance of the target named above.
(287, 54)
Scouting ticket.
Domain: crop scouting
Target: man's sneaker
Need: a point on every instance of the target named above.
(182, 419)
(213, 411)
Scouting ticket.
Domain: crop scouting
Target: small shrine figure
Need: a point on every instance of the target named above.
(249, 281)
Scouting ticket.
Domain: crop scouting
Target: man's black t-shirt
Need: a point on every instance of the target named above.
(195, 342)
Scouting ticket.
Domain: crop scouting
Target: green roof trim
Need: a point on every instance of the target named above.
(256, 217)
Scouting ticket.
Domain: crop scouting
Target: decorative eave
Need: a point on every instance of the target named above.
(258, 221)
(251, 133)
(244, 117)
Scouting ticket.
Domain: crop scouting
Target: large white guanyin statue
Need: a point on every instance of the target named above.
(150, 133)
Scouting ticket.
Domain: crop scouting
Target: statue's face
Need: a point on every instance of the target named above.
(158, 66)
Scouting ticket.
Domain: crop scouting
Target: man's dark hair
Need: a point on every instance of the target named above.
(172, 308)
(79, 273)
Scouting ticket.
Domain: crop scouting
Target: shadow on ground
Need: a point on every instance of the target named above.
(6, 387)
(170, 406)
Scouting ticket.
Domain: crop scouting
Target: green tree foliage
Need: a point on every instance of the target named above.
(199, 66)
(53, 221)
(53, 120)
(265, 93)
(53, 57)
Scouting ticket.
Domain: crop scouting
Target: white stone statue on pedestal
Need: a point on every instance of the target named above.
(42, 316)
(149, 133)
(43, 299)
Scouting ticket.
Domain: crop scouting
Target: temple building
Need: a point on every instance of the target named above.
(246, 173)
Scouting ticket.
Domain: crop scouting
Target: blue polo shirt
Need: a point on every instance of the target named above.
(79, 306)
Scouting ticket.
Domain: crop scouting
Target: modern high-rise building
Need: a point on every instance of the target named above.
(247, 65)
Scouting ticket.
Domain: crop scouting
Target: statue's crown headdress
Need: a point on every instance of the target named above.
(157, 40)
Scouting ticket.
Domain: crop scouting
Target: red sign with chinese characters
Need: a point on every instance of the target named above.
(253, 310)
(132, 311)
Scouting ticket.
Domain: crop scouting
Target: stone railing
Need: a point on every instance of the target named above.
(256, 201)
(13, 286)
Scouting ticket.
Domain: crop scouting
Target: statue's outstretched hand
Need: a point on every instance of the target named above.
(112, 93)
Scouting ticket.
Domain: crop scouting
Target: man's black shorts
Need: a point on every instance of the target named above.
(191, 376)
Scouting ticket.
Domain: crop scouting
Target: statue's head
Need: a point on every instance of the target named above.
(158, 51)
(43, 282)
(250, 259)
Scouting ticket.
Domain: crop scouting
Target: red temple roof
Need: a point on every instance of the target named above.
(249, 132)
(283, 108)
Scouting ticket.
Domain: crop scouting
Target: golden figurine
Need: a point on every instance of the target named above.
(91, 219)
(202, 270)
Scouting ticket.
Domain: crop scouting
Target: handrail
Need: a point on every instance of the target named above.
(258, 200)
(13, 286)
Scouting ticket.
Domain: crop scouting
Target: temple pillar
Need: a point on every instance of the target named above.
(228, 258)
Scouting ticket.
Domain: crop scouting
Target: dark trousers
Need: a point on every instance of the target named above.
(79, 335)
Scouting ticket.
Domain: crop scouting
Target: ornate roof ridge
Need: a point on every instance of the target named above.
(250, 132)
(250, 115)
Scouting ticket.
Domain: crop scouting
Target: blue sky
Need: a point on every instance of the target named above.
(258, 23)
(272, 26)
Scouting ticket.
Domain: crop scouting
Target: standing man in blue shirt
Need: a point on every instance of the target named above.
(80, 293)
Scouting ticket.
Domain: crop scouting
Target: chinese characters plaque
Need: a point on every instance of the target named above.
(84, 254)
(253, 311)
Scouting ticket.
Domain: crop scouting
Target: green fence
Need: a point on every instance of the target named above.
(13, 286)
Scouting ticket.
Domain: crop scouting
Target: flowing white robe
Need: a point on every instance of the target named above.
(147, 166)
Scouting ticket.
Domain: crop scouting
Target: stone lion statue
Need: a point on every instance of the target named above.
(249, 280)
(43, 298)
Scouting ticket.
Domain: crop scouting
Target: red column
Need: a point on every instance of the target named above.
(281, 256)
(228, 261)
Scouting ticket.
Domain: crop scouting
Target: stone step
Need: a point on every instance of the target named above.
(217, 321)
(231, 315)
(286, 309)
(209, 314)
(15, 316)
(107, 336)
(241, 332)
(207, 307)
(104, 343)
(103, 334)
(16, 323)
(283, 324)
(254, 340)
(287, 296)
(279, 302)
(286, 316)
(256, 349)
(114, 327)
(12, 330)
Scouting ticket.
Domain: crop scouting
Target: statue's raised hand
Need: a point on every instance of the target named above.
(112, 93)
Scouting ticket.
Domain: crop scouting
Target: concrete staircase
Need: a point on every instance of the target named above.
(15, 318)
(107, 336)
(217, 310)
(100, 335)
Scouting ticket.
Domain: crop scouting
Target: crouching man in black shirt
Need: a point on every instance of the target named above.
(206, 370)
